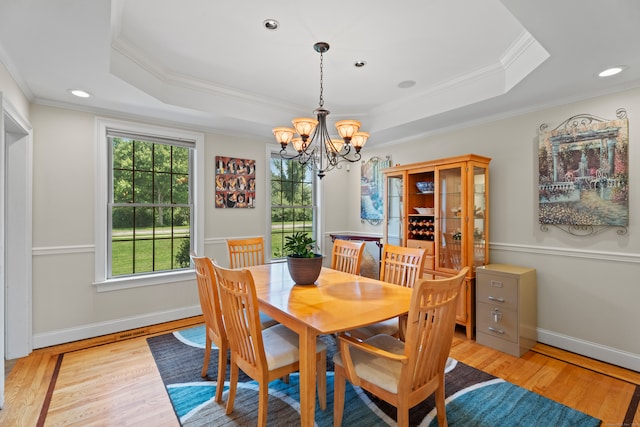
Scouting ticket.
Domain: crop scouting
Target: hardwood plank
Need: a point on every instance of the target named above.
(592, 364)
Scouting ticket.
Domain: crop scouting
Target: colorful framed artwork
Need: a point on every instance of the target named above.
(371, 190)
(583, 169)
(235, 183)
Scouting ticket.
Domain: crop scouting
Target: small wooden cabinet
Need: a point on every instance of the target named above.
(506, 311)
(442, 206)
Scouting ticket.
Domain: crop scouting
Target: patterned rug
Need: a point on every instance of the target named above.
(474, 398)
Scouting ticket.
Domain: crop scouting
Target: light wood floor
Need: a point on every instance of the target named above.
(113, 381)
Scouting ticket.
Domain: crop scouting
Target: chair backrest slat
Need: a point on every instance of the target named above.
(246, 252)
(347, 256)
(401, 265)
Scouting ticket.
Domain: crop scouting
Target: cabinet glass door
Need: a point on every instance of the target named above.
(450, 219)
(395, 213)
(479, 216)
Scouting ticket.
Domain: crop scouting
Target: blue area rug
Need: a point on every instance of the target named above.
(474, 398)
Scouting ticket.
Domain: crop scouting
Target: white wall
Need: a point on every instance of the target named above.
(588, 288)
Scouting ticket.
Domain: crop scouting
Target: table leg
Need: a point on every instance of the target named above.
(307, 377)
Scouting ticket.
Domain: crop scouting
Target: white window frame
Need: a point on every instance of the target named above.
(103, 168)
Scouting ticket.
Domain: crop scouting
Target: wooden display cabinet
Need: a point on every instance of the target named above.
(442, 206)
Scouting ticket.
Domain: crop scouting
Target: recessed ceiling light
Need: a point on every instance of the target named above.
(80, 93)
(406, 84)
(271, 24)
(611, 71)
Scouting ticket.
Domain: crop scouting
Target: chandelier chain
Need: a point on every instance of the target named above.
(321, 79)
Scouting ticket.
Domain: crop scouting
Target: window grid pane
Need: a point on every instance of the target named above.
(150, 207)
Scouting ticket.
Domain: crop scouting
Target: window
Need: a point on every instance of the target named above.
(149, 205)
(149, 183)
(292, 201)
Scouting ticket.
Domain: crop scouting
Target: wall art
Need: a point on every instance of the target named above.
(583, 169)
(235, 183)
(371, 190)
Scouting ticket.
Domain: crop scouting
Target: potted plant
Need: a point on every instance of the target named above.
(304, 264)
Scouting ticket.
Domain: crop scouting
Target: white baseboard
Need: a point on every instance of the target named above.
(590, 349)
(97, 329)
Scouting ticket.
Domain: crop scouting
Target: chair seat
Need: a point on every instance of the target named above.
(281, 346)
(377, 370)
(386, 327)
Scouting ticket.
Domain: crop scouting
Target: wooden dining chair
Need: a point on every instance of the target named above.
(247, 253)
(264, 355)
(454, 251)
(346, 256)
(401, 266)
(214, 325)
(404, 374)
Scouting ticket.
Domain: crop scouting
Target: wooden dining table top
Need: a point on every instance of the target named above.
(337, 302)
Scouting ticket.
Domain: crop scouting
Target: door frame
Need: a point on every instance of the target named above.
(16, 246)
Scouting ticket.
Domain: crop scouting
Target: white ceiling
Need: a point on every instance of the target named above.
(213, 65)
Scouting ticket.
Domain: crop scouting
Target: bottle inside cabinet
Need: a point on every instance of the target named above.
(421, 227)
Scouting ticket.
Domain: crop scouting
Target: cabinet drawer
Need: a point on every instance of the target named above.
(422, 244)
(498, 290)
(504, 326)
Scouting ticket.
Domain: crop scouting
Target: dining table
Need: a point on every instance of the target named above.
(336, 302)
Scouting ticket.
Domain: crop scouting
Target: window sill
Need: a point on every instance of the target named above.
(145, 280)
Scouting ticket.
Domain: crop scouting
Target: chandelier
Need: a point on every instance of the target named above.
(313, 145)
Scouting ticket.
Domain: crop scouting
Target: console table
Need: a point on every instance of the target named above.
(358, 237)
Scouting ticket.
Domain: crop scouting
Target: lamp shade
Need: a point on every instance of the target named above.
(283, 135)
(298, 144)
(304, 126)
(346, 128)
(335, 145)
(359, 139)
